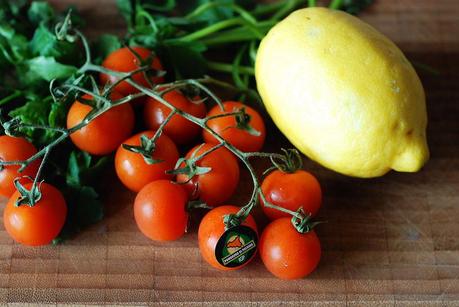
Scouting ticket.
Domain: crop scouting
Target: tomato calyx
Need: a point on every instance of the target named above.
(146, 149)
(243, 122)
(303, 222)
(190, 169)
(193, 94)
(234, 220)
(147, 62)
(289, 162)
(12, 127)
(99, 100)
(28, 197)
(231, 220)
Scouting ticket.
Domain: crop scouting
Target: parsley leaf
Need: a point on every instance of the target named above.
(44, 68)
(104, 45)
(40, 12)
(355, 6)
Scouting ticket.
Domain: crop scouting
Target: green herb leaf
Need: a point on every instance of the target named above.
(82, 168)
(40, 12)
(178, 55)
(84, 208)
(57, 114)
(45, 68)
(165, 6)
(354, 6)
(13, 46)
(105, 45)
(45, 43)
(126, 8)
(35, 112)
(214, 14)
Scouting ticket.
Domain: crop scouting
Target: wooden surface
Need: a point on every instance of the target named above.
(388, 242)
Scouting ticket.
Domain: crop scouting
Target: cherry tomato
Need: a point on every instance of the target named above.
(124, 60)
(106, 132)
(291, 191)
(212, 228)
(286, 253)
(226, 127)
(37, 225)
(15, 149)
(132, 169)
(179, 129)
(159, 210)
(219, 184)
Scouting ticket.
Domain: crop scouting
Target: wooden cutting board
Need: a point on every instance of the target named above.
(388, 241)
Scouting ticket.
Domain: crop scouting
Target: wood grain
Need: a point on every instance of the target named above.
(388, 241)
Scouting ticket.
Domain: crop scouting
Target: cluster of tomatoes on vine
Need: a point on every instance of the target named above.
(168, 186)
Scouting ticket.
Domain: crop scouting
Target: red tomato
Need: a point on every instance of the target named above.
(291, 191)
(37, 225)
(225, 127)
(106, 132)
(159, 210)
(219, 184)
(15, 149)
(286, 253)
(132, 169)
(179, 129)
(123, 60)
(212, 228)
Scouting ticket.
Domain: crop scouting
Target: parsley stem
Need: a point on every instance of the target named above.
(265, 9)
(210, 5)
(211, 29)
(10, 97)
(285, 10)
(224, 67)
(426, 68)
(312, 3)
(148, 17)
(335, 4)
(239, 34)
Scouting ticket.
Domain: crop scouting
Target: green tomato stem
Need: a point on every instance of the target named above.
(163, 124)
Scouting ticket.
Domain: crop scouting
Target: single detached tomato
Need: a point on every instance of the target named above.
(179, 129)
(160, 210)
(226, 127)
(217, 185)
(106, 132)
(291, 191)
(287, 253)
(124, 60)
(132, 169)
(212, 228)
(39, 224)
(15, 149)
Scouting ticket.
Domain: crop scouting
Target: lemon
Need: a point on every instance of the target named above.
(343, 93)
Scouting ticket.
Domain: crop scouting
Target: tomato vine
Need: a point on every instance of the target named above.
(103, 103)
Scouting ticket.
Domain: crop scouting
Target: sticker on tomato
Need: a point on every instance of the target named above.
(236, 246)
